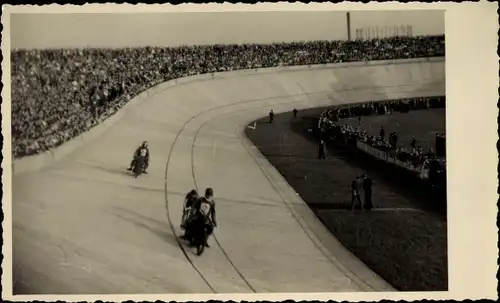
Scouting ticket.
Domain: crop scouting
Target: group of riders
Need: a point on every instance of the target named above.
(198, 211)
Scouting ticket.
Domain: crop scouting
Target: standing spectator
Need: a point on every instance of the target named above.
(431, 154)
(367, 189)
(413, 143)
(322, 148)
(382, 133)
(295, 113)
(356, 193)
(394, 140)
(271, 116)
(440, 145)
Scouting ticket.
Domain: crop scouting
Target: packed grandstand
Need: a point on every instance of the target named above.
(59, 94)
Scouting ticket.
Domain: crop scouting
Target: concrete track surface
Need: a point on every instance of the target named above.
(83, 225)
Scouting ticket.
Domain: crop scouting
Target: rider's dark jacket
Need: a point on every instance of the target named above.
(138, 150)
(190, 200)
(210, 218)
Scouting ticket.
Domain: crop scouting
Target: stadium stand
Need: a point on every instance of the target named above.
(59, 94)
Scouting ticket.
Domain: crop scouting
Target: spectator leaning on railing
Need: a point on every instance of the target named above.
(344, 134)
(59, 94)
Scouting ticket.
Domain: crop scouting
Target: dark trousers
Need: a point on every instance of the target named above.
(209, 228)
(356, 198)
(321, 153)
(368, 199)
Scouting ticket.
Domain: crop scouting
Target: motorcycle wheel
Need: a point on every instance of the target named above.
(200, 246)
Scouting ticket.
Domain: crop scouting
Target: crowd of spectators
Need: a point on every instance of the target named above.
(413, 156)
(59, 94)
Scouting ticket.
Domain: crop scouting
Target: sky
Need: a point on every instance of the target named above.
(63, 30)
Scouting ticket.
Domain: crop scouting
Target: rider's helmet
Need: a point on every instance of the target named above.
(193, 193)
(209, 192)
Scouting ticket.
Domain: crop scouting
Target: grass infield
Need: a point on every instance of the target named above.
(403, 239)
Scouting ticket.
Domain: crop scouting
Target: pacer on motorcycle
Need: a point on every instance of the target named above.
(142, 150)
(190, 199)
(204, 214)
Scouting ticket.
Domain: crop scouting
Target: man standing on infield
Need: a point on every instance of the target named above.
(367, 189)
(271, 116)
(356, 185)
(321, 151)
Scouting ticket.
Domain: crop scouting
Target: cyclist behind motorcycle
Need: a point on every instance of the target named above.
(142, 150)
(204, 213)
(191, 197)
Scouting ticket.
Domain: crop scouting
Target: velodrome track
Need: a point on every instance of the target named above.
(83, 225)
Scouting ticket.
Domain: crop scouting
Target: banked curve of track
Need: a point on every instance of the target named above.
(274, 188)
(179, 133)
(178, 240)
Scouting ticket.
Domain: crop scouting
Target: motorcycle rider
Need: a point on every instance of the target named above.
(142, 150)
(204, 211)
(189, 200)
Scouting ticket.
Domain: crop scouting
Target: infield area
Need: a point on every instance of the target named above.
(402, 239)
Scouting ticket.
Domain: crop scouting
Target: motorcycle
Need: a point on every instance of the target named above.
(197, 235)
(138, 166)
(199, 239)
